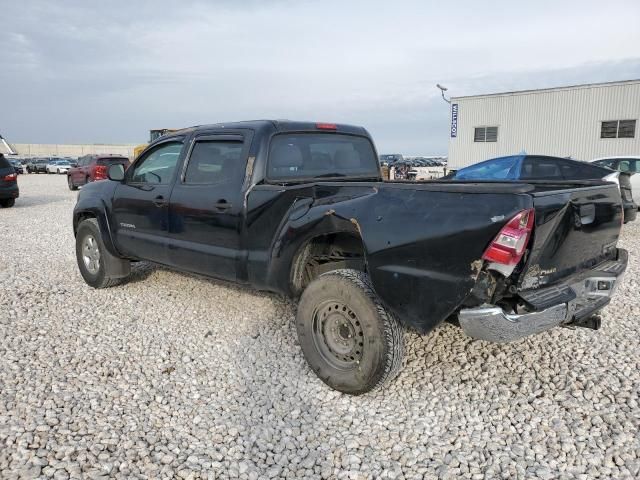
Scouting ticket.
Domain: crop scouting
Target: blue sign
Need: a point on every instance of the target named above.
(454, 120)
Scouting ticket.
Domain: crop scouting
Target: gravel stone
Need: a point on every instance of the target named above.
(175, 376)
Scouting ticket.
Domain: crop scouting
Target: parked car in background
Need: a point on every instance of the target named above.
(8, 183)
(626, 164)
(37, 165)
(58, 166)
(545, 168)
(91, 168)
(388, 159)
(17, 165)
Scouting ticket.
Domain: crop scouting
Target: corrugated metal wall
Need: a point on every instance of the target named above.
(563, 122)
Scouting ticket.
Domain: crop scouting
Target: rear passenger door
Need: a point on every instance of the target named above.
(205, 211)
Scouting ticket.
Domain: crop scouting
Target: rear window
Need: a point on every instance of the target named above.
(321, 155)
(112, 161)
(503, 168)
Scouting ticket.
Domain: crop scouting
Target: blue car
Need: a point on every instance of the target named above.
(547, 168)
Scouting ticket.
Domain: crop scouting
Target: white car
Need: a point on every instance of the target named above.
(629, 164)
(58, 166)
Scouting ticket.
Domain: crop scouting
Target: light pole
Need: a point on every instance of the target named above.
(442, 90)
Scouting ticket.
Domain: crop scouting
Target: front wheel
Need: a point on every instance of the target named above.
(71, 184)
(7, 202)
(97, 266)
(348, 338)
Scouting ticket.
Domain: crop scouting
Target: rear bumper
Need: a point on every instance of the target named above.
(568, 304)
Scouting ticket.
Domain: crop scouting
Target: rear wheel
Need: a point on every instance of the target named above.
(7, 202)
(94, 260)
(348, 338)
(70, 183)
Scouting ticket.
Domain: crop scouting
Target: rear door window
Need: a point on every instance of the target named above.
(321, 155)
(215, 161)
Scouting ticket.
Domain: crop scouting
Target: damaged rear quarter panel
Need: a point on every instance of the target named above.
(423, 243)
(424, 247)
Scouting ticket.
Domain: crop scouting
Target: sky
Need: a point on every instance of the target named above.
(106, 72)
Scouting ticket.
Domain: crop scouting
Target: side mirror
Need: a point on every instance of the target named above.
(116, 172)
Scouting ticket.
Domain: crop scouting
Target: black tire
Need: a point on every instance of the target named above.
(87, 180)
(70, 183)
(106, 262)
(340, 306)
(7, 202)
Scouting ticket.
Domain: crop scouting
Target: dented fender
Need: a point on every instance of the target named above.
(422, 246)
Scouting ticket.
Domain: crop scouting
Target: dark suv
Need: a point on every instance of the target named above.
(91, 168)
(8, 183)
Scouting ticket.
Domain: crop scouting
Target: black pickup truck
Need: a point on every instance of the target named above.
(300, 209)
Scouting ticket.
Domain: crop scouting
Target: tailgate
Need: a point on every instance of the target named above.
(576, 228)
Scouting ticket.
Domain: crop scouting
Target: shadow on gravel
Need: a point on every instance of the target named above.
(141, 271)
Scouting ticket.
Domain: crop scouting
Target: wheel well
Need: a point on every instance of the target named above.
(81, 218)
(326, 253)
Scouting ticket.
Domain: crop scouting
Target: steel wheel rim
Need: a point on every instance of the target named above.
(91, 254)
(338, 334)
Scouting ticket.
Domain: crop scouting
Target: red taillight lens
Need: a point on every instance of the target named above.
(100, 172)
(326, 126)
(509, 245)
(12, 177)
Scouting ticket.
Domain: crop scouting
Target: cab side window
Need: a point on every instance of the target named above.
(158, 166)
(214, 162)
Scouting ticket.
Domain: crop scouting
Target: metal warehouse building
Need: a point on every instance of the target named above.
(582, 122)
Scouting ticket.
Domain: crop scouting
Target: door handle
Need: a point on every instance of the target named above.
(159, 201)
(222, 205)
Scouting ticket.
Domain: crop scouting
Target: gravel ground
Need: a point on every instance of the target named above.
(176, 376)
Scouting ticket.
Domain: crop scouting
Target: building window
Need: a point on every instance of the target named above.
(618, 129)
(485, 134)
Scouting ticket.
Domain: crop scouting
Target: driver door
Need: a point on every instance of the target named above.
(141, 203)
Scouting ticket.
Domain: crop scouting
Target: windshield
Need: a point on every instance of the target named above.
(321, 155)
(501, 168)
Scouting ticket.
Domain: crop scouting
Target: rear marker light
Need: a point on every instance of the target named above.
(510, 243)
(100, 172)
(326, 126)
(10, 178)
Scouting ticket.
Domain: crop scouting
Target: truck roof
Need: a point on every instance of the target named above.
(279, 126)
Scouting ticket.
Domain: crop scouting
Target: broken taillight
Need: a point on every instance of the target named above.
(510, 243)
